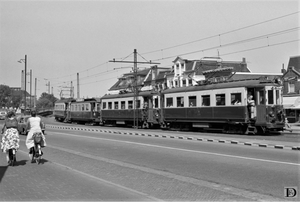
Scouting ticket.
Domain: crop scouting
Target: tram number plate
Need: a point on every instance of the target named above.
(200, 125)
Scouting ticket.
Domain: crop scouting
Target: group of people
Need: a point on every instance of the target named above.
(10, 135)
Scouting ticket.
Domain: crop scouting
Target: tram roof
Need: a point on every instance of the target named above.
(253, 83)
(142, 93)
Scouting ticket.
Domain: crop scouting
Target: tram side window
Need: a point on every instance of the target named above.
(155, 102)
(270, 97)
(169, 102)
(116, 105)
(138, 104)
(109, 105)
(180, 101)
(98, 106)
(87, 107)
(192, 101)
(104, 105)
(278, 97)
(220, 99)
(82, 107)
(205, 100)
(130, 104)
(122, 104)
(236, 98)
(261, 97)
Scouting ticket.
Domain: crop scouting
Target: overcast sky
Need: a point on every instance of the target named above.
(63, 38)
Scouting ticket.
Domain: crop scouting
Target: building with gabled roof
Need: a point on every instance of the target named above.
(291, 89)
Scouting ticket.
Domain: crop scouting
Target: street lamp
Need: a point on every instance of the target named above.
(25, 74)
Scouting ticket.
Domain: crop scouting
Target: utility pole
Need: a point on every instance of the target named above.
(135, 85)
(30, 88)
(35, 83)
(78, 95)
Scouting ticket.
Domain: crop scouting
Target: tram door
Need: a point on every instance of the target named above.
(260, 108)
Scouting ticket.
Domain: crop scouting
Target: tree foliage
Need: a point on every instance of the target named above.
(46, 101)
(5, 95)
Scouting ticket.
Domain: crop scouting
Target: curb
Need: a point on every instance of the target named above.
(295, 148)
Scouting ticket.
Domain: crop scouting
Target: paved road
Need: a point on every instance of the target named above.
(91, 165)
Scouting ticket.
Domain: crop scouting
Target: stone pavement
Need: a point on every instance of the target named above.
(48, 181)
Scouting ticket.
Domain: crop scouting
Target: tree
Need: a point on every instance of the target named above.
(46, 101)
(5, 96)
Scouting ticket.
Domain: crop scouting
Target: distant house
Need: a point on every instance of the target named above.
(291, 89)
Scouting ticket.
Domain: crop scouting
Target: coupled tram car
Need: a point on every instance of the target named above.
(78, 110)
(250, 106)
(246, 107)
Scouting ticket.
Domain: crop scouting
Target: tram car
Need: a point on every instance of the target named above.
(246, 107)
(127, 109)
(85, 111)
(61, 108)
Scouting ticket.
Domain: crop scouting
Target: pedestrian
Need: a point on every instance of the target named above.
(287, 126)
(10, 135)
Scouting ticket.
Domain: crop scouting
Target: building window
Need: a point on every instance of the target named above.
(169, 102)
(109, 105)
(190, 82)
(183, 82)
(192, 101)
(220, 99)
(205, 100)
(176, 83)
(291, 87)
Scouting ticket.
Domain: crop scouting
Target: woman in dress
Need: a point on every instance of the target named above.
(10, 137)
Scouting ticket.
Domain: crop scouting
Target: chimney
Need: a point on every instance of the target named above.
(283, 71)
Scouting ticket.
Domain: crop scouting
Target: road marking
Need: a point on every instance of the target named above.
(185, 150)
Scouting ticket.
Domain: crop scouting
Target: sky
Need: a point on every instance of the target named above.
(64, 38)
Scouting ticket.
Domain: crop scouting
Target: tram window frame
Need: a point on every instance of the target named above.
(205, 100)
(169, 102)
(109, 105)
(221, 99)
(236, 98)
(87, 107)
(270, 97)
(192, 101)
(262, 98)
(104, 105)
(180, 101)
(82, 107)
(155, 102)
(277, 94)
(116, 105)
(130, 104)
(138, 104)
(123, 105)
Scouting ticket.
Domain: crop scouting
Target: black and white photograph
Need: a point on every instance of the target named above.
(149, 100)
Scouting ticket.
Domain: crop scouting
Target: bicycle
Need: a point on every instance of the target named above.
(37, 151)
